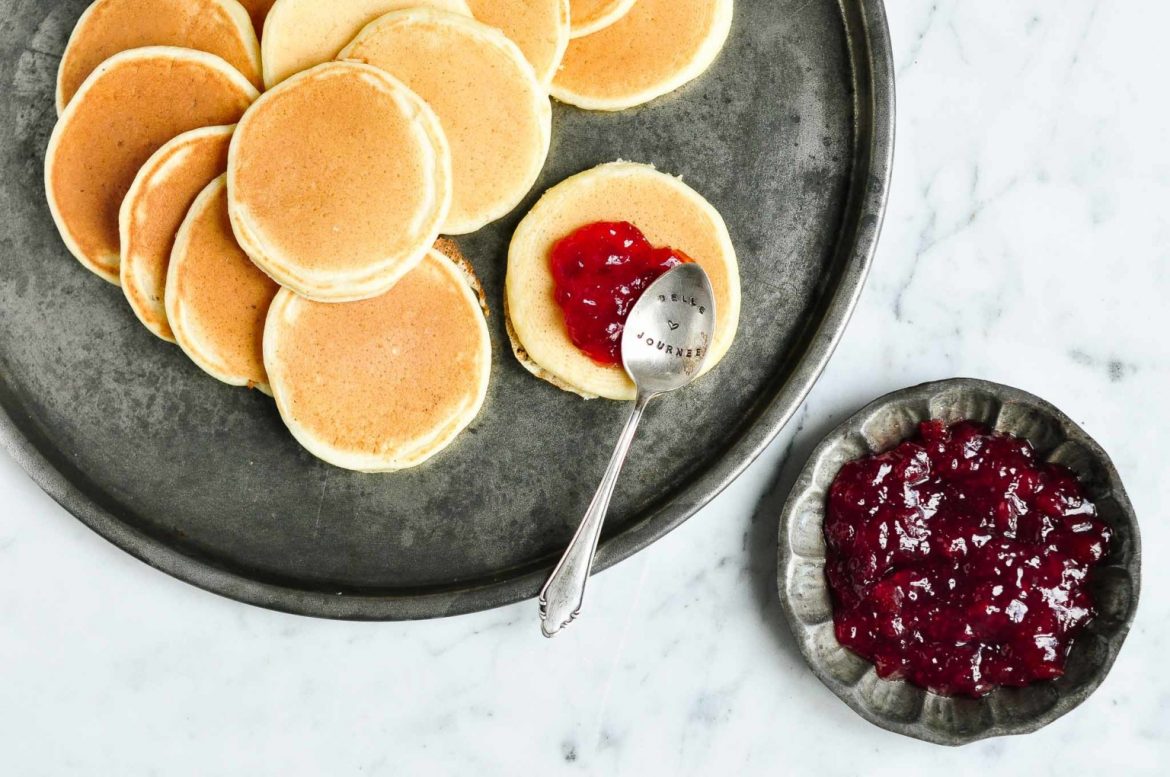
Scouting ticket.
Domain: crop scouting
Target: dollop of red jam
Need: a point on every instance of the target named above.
(599, 272)
(958, 561)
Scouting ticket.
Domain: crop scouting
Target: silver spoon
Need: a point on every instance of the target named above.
(664, 346)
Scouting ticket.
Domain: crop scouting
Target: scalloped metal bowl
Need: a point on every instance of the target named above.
(898, 705)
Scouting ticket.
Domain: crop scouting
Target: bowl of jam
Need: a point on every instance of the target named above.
(959, 560)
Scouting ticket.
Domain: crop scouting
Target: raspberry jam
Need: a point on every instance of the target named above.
(959, 562)
(599, 271)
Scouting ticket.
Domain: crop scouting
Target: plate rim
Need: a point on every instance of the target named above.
(870, 53)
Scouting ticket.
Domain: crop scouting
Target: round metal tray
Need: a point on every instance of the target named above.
(789, 135)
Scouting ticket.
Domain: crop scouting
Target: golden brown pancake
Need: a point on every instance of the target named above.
(654, 49)
(219, 27)
(338, 180)
(668, 212)
(154, 208)
(216, 299)
(589, 16)
(258, 11)
(385, 383)
(304, 33)
(539, 27)
(125, 111)
(493, 109)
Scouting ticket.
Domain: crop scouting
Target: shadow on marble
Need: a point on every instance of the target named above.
(762, 547)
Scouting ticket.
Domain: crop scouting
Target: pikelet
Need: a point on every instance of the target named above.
(216, 299)
(492, 107)
(338, 181)
(589, 16)
(666, 210)
(539, 27)
(302, 33)
(654, 49)
(154, 208)
(385, 383)
(126, 110)
(219, 27)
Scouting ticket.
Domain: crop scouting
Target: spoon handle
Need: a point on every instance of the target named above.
(563, 594)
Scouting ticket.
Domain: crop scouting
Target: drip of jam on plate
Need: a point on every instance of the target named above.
(599, 272)
(958, 561)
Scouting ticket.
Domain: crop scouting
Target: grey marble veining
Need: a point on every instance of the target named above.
(1026, 242)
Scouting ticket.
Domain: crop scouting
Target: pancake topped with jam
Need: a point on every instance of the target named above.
(663, 209)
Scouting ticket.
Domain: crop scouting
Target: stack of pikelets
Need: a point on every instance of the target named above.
(289, 241)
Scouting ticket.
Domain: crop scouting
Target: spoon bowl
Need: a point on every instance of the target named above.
(668, 333)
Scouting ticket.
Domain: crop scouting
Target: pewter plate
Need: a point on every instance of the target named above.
(789, 135)
(898, 705)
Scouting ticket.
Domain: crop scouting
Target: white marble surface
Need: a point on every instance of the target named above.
(1027, 241)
